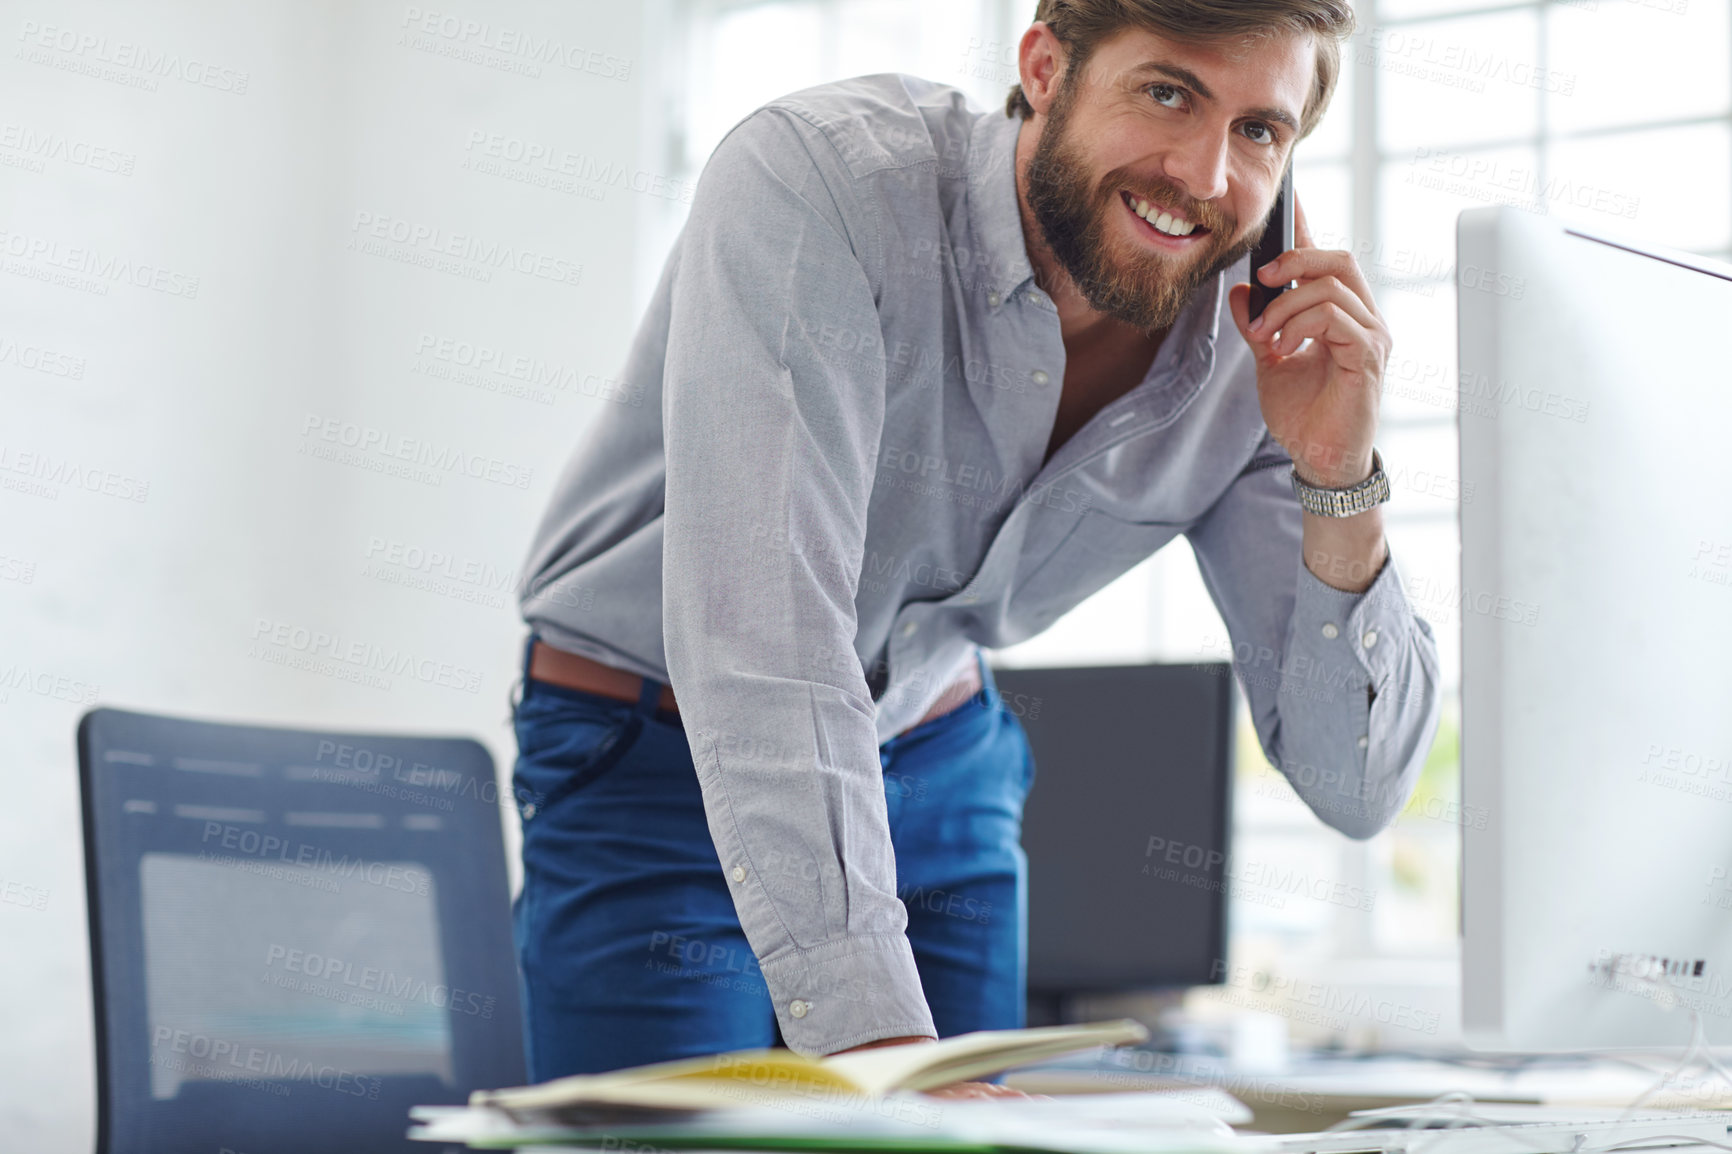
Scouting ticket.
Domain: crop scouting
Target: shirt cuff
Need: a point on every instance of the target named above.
(1371, 628)
(848, 992)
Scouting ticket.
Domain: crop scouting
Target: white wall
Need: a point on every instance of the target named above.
(158, 508)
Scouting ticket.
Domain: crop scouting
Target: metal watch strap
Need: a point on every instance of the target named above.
(1354, 499)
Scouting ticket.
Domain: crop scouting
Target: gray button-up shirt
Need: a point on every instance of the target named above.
(833, 493)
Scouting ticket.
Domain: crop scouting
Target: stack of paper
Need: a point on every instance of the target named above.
(1147, 1123)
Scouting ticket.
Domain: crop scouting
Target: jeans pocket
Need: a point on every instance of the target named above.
(565, 742)
(1028, 767)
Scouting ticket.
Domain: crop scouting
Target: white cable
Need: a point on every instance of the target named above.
(1698, 1045)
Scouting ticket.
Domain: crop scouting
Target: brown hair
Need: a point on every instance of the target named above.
(1081, 25)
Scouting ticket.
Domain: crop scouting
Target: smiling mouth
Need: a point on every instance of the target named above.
(1160, 221)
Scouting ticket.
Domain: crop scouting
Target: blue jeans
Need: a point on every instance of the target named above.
(625, 927)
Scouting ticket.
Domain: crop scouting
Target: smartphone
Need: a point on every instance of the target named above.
(1277, 239)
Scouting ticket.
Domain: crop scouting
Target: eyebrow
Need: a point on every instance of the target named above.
(1186, 76)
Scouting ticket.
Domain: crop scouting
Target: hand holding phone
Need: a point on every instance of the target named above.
(1277, 239)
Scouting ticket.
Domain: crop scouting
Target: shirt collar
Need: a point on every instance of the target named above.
(997, 221)
(995, 214)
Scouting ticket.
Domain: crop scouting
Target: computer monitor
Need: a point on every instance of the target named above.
(1595, 414)
(1126, 827)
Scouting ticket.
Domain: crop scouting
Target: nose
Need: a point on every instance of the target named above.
(1199, 163)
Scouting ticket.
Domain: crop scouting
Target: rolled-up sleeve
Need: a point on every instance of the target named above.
(1343, 687)
(772, 421)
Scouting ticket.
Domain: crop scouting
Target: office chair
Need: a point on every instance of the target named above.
(294, 936)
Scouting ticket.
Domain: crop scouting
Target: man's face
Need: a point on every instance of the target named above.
(1137, 126)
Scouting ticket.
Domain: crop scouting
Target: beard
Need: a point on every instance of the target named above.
(1141, 286)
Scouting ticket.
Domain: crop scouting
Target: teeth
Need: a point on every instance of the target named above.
(1162, 220)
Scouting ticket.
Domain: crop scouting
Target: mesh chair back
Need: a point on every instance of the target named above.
(295, 936)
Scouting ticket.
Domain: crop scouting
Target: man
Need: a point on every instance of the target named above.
(919, 379)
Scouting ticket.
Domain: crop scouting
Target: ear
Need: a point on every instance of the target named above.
(1040, 61)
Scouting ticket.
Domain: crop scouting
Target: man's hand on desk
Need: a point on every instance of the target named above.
(961, 1089)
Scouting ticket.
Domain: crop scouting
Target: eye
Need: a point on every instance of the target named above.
(1269, 135)
(1168, 88)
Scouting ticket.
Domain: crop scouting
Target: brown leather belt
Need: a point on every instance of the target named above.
(572, 671)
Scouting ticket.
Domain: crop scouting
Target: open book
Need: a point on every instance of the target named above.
(763, 1077)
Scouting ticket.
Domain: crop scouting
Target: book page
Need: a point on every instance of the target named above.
(691, 1083)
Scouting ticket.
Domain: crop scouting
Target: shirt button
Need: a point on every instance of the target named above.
(1040, 377)
(1330, 631)
(1364, 741)
(529, 811)
(739, 873)
(908, 629)
(992, 298)
(798, 1007)
(1369, 639)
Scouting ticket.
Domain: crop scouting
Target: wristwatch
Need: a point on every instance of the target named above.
(1367, 494)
